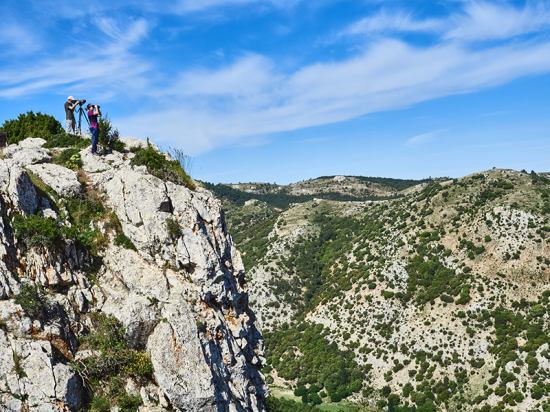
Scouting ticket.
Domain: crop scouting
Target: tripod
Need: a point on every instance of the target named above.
(80, 113)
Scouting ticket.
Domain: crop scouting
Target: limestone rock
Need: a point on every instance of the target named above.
(28, 153)
(32, 142)
(130, 142)
(181, 296)
(29, 372)
(16, 183)
(62, 180)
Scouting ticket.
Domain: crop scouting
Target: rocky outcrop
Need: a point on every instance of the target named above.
(62, 180)
(180, 295)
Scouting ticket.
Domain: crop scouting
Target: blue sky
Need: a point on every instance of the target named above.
(286, 90)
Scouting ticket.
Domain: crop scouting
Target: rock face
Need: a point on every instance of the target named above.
(180, 295)
(62, 180)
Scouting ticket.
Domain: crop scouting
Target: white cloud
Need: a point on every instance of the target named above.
(480, 20)
(487, 21)
(388, 76)
(244, 101)
(424, 138)
(134, 33)
(106, 68)
(397, 21)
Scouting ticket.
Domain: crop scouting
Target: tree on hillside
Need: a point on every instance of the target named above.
(31, 125)
(391, 408)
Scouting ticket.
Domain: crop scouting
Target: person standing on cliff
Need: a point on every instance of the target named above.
(70, 104)
(93, 114)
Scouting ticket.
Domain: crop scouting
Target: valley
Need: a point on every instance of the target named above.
(433, 296)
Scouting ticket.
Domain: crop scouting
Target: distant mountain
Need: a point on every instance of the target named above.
(341, 188)
(437, 298)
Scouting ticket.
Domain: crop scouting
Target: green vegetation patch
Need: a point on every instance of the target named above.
(70, 158)
(159, 166)
(112, 361)
(67, 140)
(33, 299)
(321, 364)
(31, 125)
(279, 200)
(36, 231)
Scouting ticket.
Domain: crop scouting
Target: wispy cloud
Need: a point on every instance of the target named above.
(251, 97)
(487, 21)
(395, 21)
(424, 137)
(244, 99)
(109, 66)
(479, 20)
(17, 39)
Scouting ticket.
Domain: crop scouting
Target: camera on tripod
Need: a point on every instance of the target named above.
(80, 102)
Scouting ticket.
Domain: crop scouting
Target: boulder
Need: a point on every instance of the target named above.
(28, 152)
(18, 186)
(63, 181)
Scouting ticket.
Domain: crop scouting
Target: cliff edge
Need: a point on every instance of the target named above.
(119, 288)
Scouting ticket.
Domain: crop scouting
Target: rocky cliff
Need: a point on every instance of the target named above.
(119, 288)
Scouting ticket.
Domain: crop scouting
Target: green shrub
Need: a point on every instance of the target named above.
(122, 240)
(67, 140)
(113, 357)
(69, 158)
(31, 125)
(33, 300)
(140, 365)
(158, 166)
(36, 230)
(109, 136)
(173, 227)
(99, 404)
(538, 310)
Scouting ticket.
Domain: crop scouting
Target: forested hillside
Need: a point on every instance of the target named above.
(435, 299)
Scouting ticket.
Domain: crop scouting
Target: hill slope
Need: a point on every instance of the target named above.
(438, 298)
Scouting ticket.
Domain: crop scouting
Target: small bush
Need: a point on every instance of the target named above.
(114, 357)
(31, 125)
(158, 166)
(36, 230)
(173, 227)
(67, 140)
(122, 240)
(109, 135)
(33, 300)
(100, 404)
(70, 158)
(140, 364)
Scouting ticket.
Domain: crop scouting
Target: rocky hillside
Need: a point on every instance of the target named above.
(119, 287)
(438, 299)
